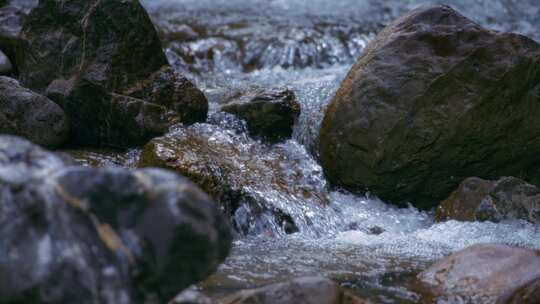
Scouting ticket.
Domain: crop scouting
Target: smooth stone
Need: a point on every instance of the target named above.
(434, 99)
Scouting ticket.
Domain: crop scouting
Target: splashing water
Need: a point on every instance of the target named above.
(308, 46)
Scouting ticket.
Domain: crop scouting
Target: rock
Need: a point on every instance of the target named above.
(103, 63)
(434, 99)
(87, 235)
(481, 274)
(191, 296)
(113, 39)
(258, 186)
(11, 17)
(269, 113)
(478, 199)
(5, 64)
(33, 116)
(168, 88)
(528, 294)
(100, 118)
(309, 290)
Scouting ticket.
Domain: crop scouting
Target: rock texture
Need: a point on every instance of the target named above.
(478, 199)
(270, 114)
(86, 235)
(255, 185)
(30, 115)
(310, 290)
(434, 99)
(93, 58)
(482, 274)
(11, 18)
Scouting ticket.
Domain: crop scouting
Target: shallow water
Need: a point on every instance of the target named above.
(309, 45)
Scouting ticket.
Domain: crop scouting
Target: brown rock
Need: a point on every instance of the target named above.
(478, 199)
(481, 273)
(434, 99)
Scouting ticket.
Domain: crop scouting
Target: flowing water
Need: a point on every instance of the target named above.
(308, 46)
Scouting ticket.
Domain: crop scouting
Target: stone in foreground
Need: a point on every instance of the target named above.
(31, 115)
(270, 114)
(309, 290)
(482, 274)
(482, 200)
(434, 99)
(86, 235)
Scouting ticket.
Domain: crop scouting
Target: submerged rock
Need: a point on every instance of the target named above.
(259, 187)
(95, 57)
(309, 290)
(270, 114)
(30, 115)
(435, 98)
(88, 235)
(482, 274)
(478, 199)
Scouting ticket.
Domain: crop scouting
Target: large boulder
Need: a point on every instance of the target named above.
(481, 274)
(86, 235)
(269, 113)
(308, 290)
(478, 199)
(31, 115)
(94, 57)
(258, 186)
(434, 99)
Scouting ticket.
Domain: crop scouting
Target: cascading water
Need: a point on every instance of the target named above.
(308, 46)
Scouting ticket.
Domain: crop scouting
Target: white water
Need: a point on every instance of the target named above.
(311, 59)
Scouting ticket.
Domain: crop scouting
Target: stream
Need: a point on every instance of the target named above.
(369, 246)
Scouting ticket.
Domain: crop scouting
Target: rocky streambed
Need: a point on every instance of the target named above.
(344, 151)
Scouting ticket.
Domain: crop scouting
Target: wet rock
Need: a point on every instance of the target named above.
(478, 199)
(102, 61)
(481, 274)
(5, 64)
(191, 296)
(434, 99)
(88, 235)
(30, 115)
(269, 113)
(168, 88)
(309, 290)
(100, 118)
(259, 187)
(528, 294)
(11, 17)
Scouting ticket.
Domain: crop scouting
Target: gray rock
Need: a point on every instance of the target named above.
(269, 113)
(86, 235)
(30, 115)
(86, 53)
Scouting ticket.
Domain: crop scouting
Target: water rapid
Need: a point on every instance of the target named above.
(308, 46)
